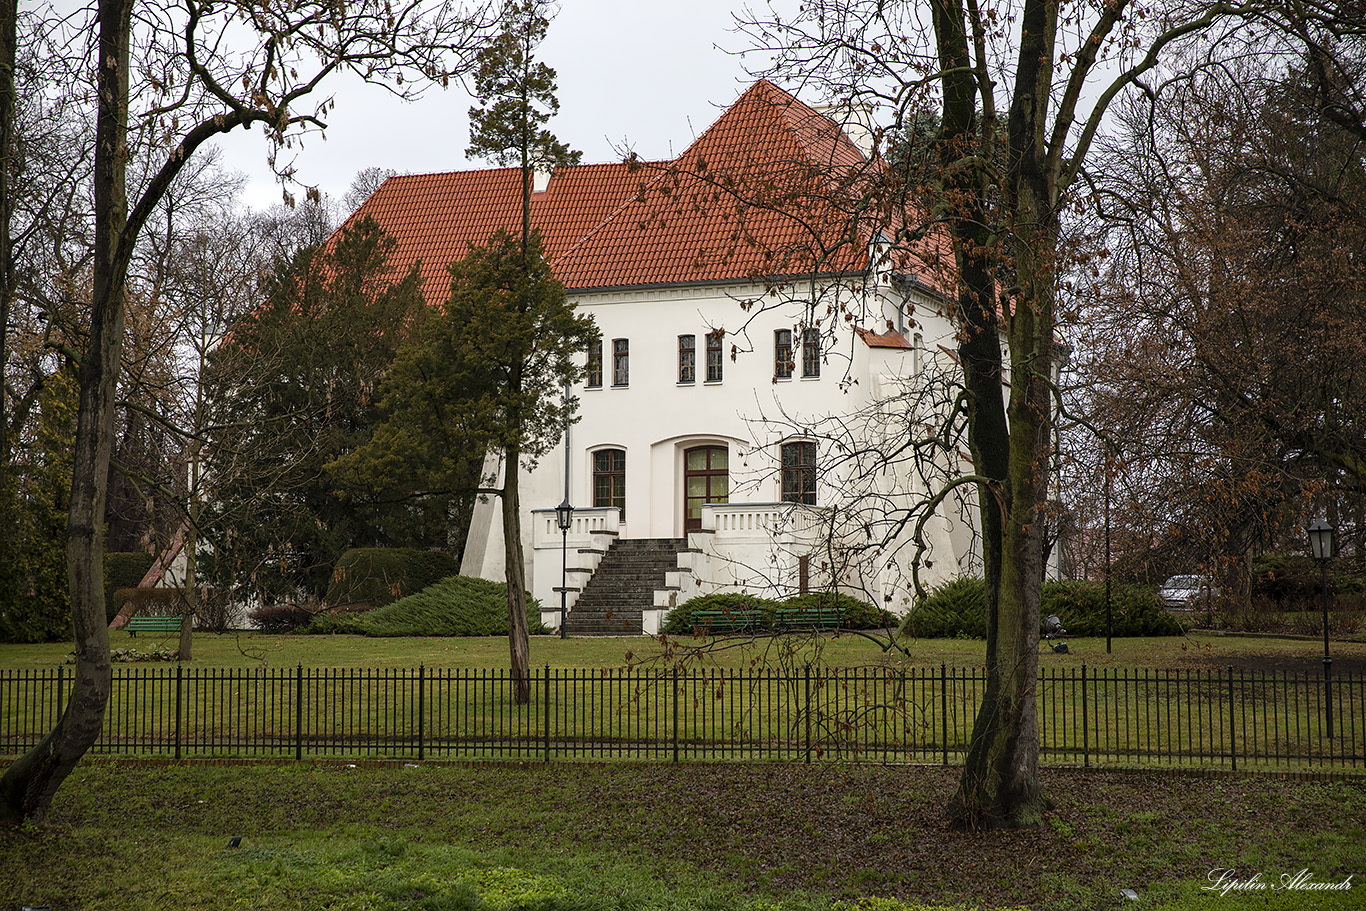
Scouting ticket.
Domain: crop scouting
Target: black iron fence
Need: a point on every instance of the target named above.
(1224, 718)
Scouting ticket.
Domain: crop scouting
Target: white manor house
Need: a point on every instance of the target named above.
(752, 363)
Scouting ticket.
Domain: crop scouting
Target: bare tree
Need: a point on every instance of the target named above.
(999, 106)
(175, 78)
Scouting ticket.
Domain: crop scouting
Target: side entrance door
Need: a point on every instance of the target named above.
(706, 479)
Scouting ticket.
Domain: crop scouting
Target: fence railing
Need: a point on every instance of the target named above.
(1225, 718)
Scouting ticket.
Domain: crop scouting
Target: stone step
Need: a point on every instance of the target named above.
(623, 586)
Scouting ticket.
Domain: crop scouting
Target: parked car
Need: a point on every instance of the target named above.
(1186, 592)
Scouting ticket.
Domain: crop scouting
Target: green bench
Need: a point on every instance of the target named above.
(153, 625)
(801, 618)
(727, 621)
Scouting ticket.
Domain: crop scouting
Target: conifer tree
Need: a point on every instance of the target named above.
(518, 95)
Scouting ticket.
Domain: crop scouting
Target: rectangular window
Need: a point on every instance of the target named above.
(782, 354)
(595, 364)
(687, 358)
(811, 352)
(799, 473)
(621, 362)
(715, 359)
(609, 479)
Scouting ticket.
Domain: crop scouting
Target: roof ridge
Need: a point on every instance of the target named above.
(659, 175)
(774, 97)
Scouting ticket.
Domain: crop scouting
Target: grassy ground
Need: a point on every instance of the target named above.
(250, 649)
(671, 838)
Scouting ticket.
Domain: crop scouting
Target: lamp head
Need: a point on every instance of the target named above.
(1321, 540)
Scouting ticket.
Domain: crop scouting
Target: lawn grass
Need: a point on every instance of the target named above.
(1196, 650)
(667, 838)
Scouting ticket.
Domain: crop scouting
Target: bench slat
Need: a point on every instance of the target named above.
(153, 625)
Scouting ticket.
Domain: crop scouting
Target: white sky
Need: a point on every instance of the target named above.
(640, 73)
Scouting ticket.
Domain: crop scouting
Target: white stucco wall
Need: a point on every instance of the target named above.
(654, 419)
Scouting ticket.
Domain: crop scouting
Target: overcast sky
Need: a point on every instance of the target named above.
(637, 73)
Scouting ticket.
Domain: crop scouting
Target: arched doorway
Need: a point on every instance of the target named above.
(706, 479)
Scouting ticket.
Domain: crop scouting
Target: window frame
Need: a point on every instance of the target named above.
(687, 359)
(716, 360)
(615, 474)
(783, 365)
(593, 367)
(621, 362)
(811, 353)
(798, 478)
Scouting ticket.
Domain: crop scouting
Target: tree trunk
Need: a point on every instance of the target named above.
(1011, 444)
(27, 789)
(9, 43)
(519, 643)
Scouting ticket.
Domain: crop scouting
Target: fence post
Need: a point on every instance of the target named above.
(299, 713)
(179, 668)
(61, 692)
(1232, 741)
(675, 713)
(1085, 728)
(421, 710)
(806, 707)
(545, 697)
(944, 709)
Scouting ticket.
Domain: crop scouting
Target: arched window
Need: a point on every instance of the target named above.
(609, 479)
(799, 472)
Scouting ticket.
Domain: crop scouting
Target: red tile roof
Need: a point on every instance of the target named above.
(436, 217)
(766, 191)
(889, 339)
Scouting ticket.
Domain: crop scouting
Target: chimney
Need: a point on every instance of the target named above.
(855, 119)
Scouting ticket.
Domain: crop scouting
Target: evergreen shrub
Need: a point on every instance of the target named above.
(1135, 610)
(280, 618)
(857, 614)
(681, 622)
(123, 570)
(953, 610)
(957, 609)
(381, 575)
(455, 606)
(152, 602)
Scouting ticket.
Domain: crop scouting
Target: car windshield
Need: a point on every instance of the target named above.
(1183, 582)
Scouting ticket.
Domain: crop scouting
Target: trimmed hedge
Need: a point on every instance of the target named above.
(123, 570)
(280, 618)
(153, 602)
(857, 614)
(957, 609)
(381, 575)
(455, 606)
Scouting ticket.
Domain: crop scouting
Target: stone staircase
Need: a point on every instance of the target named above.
(623, 586)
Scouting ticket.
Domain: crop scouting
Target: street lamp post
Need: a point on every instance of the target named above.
(564, 514)
(1321, 546)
